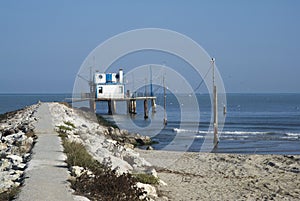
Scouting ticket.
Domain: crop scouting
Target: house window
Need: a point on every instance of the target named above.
(100, 90)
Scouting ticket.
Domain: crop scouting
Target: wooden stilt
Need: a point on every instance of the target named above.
(134, 107)
(153, 105)
(145, 109)
(113, 107)
(109, 104)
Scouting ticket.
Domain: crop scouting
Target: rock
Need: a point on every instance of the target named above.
(152, 172)
(124, 132)
(151, 191)
(111, 130)
(20, 166)
(3, 146)
(5, 165)
(26, 157)
(80, 198)
(8, 132)
(128, 146)
(16, 160)
(77, 171)
(149, 148)
(5, 185)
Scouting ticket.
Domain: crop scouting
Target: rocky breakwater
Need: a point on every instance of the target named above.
(16, 141)
(83, 127)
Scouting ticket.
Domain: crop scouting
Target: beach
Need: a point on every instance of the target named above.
(210, 176)
(181, 175)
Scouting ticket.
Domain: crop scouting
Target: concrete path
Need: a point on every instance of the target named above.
(46, 176)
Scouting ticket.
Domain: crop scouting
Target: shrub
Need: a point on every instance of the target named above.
(70, 124)
(146, 178)
(10, 194)
(63, 129)
(105, 184)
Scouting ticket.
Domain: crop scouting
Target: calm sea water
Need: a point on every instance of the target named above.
(11, 102)
(255, 123)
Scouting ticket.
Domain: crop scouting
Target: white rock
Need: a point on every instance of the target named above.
(151, 191)
(3, 146)
(152, 172)
(80, 198)
(77, 171)
(15, 159)
(5, 165)
(21, 166)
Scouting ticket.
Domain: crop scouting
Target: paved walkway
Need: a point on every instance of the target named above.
(47, 172)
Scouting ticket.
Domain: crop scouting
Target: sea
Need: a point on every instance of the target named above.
(254, 123)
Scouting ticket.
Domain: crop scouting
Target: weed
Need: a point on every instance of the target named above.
(105, 184)
(10, 194)
(63, 129)
(70, 124)
(146, 178)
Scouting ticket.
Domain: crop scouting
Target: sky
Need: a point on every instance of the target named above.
(256, 43)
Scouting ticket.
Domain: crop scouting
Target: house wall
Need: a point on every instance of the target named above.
(110, 91)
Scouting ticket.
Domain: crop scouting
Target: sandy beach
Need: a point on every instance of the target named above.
(208, 176)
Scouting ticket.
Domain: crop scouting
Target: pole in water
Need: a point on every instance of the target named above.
(165, 103)
(215, 106)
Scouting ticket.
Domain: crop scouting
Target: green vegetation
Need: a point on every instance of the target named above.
(63, 129)
(10, 194)
(78, 156)
(146, 178)
(104, 184)
(70, 124)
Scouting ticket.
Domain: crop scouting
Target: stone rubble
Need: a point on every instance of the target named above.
(16, 141)
(101, 145)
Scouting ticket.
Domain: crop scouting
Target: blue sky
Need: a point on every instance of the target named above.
(43, 43)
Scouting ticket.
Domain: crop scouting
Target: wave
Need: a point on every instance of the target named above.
(178, 130)
(293, 134)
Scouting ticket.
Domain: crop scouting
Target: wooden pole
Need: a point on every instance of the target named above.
(215, 106)
(114, 107)
(128, 106)
(109, 104)
(146, 109)
(216, 137)
(153, 105)
(92, 97)
(165, 103)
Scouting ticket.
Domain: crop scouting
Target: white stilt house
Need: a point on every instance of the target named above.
(109, 85)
